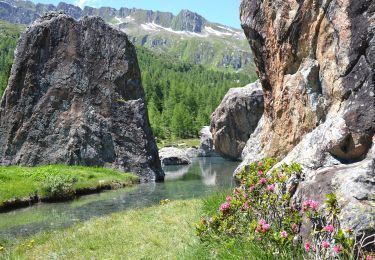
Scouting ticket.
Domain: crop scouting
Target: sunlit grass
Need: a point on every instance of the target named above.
(22, 182)
(158, 232)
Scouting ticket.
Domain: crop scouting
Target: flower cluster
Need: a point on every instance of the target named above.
(310, 204)
(225, 206)
(260, 211)
(283, 234)
(263, 226)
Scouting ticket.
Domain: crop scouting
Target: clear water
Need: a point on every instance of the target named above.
(203, 177)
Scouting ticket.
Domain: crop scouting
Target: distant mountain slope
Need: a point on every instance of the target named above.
(187, 36)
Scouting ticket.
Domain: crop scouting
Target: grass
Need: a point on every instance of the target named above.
(24, 182)
(181, 143)
(158, 232)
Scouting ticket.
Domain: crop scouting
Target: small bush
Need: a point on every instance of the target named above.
(58, 187)
(260, 212)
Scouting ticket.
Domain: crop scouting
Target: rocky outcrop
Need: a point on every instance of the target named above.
(236, 118)
(173, 156)
(188, 21)
(75, 97)
(310, 73)
(206, 147)
(316, 63)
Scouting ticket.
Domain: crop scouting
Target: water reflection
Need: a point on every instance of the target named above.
(202, 177)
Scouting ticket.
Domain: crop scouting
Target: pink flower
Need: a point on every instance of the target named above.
(307, 247)
(325, 244)
(225, 206)
(329, 228)
(337, 249)
(260, 164)
(229, 199)
(246, 205)
(284, 234)
(310, 204)
(262, 222)
(266, 227)
(271, 187)
(314, 205)
(260, 173)
(369, 257)
(280, 175)
(263, 180)
(251, 189)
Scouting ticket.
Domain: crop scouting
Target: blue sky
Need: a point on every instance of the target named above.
(222, 11)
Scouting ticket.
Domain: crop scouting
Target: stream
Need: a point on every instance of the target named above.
(203, 177)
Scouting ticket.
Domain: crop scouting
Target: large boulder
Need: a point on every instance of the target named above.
(173, 156)
(75, 97)
(315, 60)
(236, 118)
(316, 63)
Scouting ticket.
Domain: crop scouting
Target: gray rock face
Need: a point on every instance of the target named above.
(236, 118)
(206, 147)
(319, 90)
(173, 156)
(75, 97)
(354, 187)
(188, 21)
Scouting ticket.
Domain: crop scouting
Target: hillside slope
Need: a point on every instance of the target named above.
(187, 36)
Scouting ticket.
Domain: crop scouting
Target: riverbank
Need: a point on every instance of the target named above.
(24, 186)
(159, 232)
(179, 143)
(163, 231)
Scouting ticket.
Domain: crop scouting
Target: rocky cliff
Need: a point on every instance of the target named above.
(316, 63)
(75, 97)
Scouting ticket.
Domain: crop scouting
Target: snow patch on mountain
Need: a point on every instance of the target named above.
(156, 27)
(211, 30)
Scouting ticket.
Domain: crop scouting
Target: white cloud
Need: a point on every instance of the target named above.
(83, 3)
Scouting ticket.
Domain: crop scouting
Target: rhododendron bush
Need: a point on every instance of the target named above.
(260, 211)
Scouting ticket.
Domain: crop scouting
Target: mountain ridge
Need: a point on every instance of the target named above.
(187, 36)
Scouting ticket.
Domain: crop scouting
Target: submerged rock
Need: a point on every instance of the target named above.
(236, 118)
(316, 63)
(75, 97)
(173, 156)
